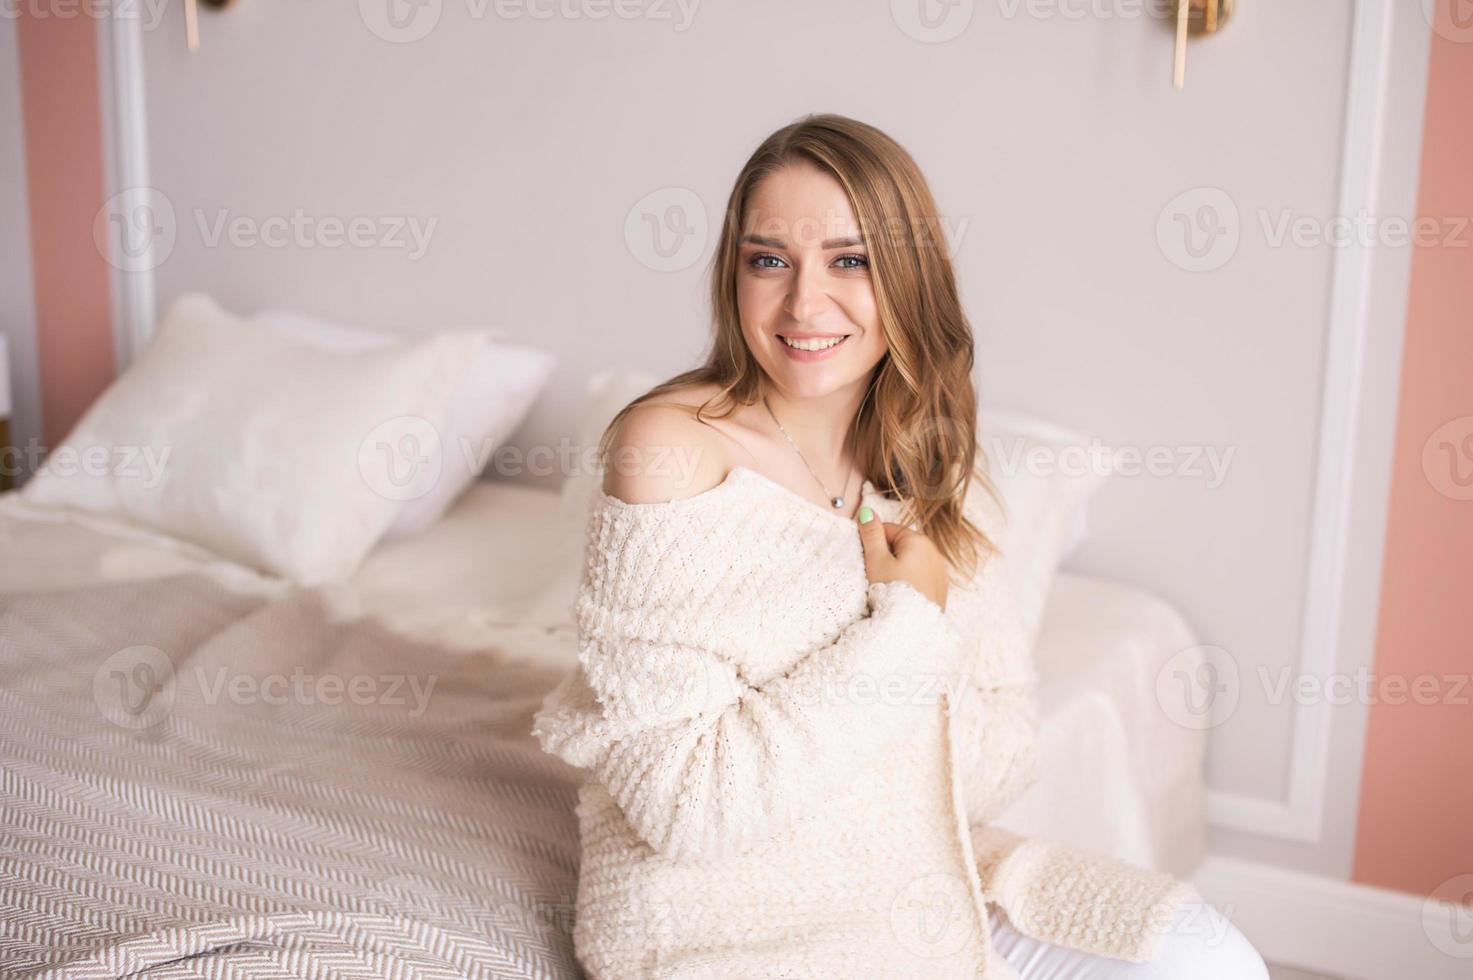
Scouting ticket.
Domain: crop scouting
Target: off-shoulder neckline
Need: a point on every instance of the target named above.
(740, 473)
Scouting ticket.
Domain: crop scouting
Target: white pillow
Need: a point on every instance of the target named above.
(493, 397)
(256, 446)
(608, 391)
(1046, 480)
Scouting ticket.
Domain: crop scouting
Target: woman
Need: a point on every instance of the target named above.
(803, 692)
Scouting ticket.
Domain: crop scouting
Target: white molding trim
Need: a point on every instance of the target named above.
(125, 138)
(1300, 816)
(1339, 928)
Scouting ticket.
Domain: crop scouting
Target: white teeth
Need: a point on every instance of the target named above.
(815, 344)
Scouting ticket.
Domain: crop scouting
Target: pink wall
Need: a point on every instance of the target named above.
(62, 115)
(1415, 829)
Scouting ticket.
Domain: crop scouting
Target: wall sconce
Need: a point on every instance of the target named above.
(191, 19)
(1197, 18)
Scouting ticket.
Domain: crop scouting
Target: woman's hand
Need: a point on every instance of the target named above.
(895, 553)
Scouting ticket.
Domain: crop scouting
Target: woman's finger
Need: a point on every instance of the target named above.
(895, 533)
(872, 535)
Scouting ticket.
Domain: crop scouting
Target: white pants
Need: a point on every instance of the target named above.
(1200, 945)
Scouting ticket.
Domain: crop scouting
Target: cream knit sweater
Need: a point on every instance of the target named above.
(792, 769)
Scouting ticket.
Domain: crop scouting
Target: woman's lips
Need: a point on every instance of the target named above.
(812, 355)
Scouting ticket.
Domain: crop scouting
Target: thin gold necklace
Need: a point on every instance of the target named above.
(837, 501)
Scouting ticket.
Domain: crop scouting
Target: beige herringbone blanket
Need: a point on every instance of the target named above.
(196, 783)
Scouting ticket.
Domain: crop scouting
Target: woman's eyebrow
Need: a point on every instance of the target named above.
(767, 242)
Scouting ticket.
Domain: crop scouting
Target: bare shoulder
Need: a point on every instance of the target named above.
(662, 452)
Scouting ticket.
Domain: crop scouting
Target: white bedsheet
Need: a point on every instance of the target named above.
(1118, 776)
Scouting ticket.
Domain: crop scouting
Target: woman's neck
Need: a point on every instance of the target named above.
(820, 426)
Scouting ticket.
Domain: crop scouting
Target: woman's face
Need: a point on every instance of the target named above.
(804, 291)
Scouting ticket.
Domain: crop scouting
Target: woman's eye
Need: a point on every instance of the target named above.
(853, 261)
(760, 260)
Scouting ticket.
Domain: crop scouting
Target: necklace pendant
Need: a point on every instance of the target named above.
(838, 502)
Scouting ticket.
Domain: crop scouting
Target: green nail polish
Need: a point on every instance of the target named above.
(865, 514)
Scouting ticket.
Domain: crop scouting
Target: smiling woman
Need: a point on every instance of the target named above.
(755, 806)
(838, 334)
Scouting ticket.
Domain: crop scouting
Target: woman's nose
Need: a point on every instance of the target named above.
(807, 297)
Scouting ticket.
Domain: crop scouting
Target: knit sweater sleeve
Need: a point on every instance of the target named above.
(997, 709)
(998, 749)
(704, 762)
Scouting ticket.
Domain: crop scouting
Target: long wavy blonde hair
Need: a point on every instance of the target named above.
(915, 433)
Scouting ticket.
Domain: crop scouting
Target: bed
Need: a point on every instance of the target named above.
(184, 795)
